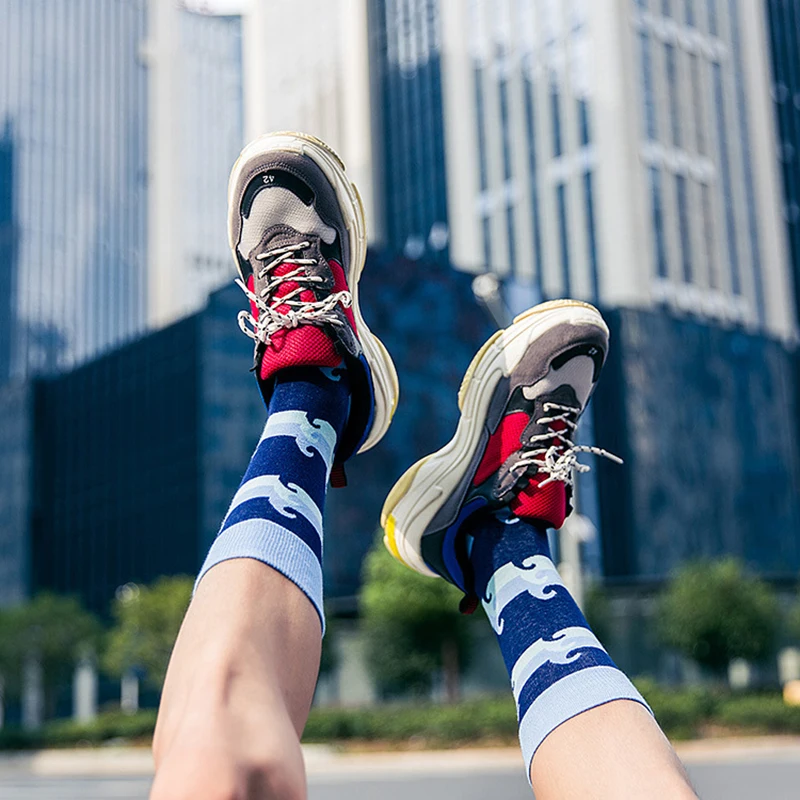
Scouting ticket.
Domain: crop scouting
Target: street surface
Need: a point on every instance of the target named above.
(768, 769)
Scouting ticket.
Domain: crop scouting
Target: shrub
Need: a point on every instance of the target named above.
(680, 712)
(759, 714)
(436, 724)
(713, 613)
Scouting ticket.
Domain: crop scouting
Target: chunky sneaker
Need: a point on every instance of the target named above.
(297, 232)
(520, 402)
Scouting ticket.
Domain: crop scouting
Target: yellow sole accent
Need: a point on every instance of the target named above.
(552, 304)
(399, 490)
(389, 539)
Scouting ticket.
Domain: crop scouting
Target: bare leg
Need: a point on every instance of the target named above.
(612, 751)
(238, 689)
(584, 729)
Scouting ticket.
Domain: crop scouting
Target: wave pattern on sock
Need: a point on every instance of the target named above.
(276, 514)
(558, 667)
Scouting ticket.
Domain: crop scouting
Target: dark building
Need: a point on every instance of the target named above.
(407, 94)
(704, 418)
(138, 454)
(8, 252)
(784, 29)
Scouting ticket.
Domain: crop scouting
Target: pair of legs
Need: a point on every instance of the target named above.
(242, 675)
(241, 683)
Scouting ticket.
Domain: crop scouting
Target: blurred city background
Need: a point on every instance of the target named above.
(642, 155)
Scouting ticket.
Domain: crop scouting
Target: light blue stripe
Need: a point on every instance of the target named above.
(318, 435)
(274, 545)
(288, 500)
(568, 697)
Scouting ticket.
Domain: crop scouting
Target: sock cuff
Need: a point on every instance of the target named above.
(566, 698)
(276, 546)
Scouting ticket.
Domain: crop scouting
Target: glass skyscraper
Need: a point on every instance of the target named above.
(73, 104)
(405, 57)
(77, 169)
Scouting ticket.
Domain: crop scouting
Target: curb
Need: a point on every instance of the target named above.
(324, 761)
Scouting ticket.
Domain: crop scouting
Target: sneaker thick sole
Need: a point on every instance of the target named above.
(421, 493)
(384, 376)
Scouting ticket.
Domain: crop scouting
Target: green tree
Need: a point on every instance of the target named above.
(713, 612)
(147, 620)
(413, 627)
(55, 629)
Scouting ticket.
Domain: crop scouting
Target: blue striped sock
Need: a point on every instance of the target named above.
(276, 515)
(558, 668)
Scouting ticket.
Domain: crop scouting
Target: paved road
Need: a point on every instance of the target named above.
(732, 776)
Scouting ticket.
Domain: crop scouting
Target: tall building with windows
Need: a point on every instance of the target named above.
(619, 151)
(784, 25)
(73, 92)
(195, 129)
(79, 81)
(408, 113)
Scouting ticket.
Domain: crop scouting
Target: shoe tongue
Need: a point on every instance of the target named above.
(279, 236)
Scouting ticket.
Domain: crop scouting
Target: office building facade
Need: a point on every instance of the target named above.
(73, 101)
(82, 172)
(617, 151)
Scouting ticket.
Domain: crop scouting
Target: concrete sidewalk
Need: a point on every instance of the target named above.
(325, 761)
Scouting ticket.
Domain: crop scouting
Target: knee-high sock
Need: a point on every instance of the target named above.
(558, 668)
(276, 515)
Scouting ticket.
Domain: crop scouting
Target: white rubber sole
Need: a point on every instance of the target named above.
(384, 374)
(418, 495)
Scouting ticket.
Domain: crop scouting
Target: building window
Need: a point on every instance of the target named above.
(480, 113)
(530, 123)
(666, 8)
(591, 232)
(688, 12)
(555, 109)
(506, 129)
(563, 230)
(709, 236)
(659, 237)
(648, 98)
(697, 102)
(713, 18)
(583, 122)
(683, 225)
(505, 126)
(727, 182)
(486, 224)
(483, 165)
(511, 234)
(674, 103)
